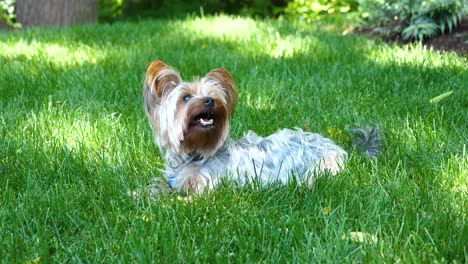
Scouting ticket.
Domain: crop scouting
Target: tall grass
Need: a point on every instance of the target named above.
(74, 140)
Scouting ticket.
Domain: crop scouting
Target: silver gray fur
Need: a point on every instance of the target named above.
(274, 158)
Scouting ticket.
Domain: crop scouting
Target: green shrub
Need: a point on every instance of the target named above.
(174, 8)
(312, 9)
(110, 10)
(410, 19)
(7, 13)
(263, 8)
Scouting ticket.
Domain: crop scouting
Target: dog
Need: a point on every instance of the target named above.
(190, 121)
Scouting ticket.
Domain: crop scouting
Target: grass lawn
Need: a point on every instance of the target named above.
(74, 139)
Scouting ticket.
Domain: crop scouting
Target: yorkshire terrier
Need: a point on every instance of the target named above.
(190, 121)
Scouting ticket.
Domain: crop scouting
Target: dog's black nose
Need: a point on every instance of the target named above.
(209, 102)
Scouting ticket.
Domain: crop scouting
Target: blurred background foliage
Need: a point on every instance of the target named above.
(110, 9)
(7, 13)
(314, 9)
(396, 19)
(411, 19)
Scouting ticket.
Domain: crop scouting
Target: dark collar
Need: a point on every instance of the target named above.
(194, 157)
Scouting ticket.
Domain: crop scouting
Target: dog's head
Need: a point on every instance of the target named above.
(189, 118)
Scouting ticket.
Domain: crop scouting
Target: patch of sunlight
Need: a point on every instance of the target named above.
(286, 46)
(74, 133)
(410, 132)
(414, 54)
(49, 52)
(52, 128)
(455, 174)
(249, 35)
(259, 102)
(223, 27)
(457, 168)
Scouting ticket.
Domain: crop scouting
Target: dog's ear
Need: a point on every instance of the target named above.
(224, 78)
(161, 79)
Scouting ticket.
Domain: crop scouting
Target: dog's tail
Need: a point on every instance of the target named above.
(366, 140)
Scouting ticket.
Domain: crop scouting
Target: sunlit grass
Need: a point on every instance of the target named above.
(74, 140)
(246, 31)
(414, 54)
(49, 52)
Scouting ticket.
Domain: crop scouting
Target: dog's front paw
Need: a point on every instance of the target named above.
(332, 163)
(154, 190)
(191, 185)
(196, 185)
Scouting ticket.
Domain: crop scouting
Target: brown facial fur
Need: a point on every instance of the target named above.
(160, 83)
(204, 140)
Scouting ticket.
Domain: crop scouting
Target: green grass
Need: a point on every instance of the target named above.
(74, 139)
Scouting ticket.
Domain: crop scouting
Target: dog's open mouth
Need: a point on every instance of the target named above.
(204, 120)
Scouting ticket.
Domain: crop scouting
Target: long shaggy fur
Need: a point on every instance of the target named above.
(190, 121)
(275, 158)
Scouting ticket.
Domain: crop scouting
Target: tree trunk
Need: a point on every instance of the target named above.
(55, 12)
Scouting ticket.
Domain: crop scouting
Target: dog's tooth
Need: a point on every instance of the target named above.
(206, 122)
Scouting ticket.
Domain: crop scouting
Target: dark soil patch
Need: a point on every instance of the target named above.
(456, 41)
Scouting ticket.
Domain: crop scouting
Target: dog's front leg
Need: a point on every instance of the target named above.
(331, 163)
(189, 180)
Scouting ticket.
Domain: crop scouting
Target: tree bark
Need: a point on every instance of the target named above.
(55, 12)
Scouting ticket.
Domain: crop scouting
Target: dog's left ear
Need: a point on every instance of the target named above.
(224, 78)
(161, 78)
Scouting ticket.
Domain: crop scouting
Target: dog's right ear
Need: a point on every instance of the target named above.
(160, 79)
(224, 78)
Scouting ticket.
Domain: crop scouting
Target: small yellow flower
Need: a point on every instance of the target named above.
(326, 211)
(338, 134)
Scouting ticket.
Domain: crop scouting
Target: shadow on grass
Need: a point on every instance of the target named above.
(285, 78)
(327, 75)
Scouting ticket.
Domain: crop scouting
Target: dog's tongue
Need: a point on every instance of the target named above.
(205, 122)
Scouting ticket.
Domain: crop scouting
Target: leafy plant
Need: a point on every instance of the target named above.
(7, 13)
(110, 10)
(420, 28)
(177, 8)
(311, 9)
(412, 19)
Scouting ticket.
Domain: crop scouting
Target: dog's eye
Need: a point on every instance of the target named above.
(187, 98)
